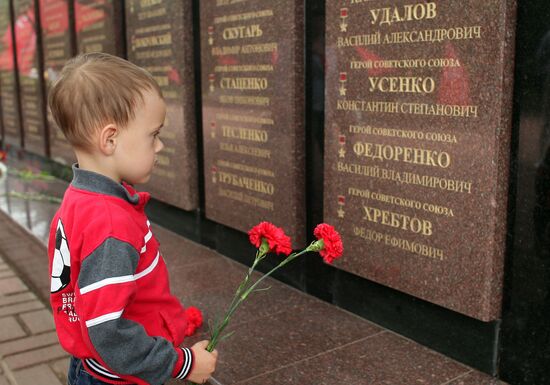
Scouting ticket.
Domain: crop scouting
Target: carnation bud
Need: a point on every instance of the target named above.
(317, 245)
(264, 247)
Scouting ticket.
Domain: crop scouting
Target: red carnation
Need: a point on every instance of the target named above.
(283, 245)
(333, 247)
(276, 238)
(194, 320)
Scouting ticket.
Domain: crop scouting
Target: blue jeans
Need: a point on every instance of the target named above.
(79, 376)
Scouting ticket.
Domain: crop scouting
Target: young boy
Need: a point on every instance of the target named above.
(109, 285)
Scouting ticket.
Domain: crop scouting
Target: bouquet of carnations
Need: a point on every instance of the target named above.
(267, 238)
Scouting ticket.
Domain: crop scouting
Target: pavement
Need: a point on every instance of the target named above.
(29, 350)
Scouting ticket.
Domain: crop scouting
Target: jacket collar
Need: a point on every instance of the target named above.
(94, 182)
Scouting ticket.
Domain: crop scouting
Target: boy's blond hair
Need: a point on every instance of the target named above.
(96, 89)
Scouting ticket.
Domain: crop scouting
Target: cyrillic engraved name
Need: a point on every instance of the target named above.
(408, 12)
(414, 155)
(246, 183)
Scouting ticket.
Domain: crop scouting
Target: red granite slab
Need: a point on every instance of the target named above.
(32, 98)
(98, 25)
(159, 37)
(418, 122)
(57, 47)
(269, 343)
(253, 113)
(9, 93)
(383, 358)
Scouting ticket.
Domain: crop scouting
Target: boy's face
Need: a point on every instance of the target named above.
(138, 144)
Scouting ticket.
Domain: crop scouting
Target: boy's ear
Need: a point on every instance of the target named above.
(108, 139)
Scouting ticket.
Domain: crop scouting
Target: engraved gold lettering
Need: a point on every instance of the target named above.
(245, 134)
(244, 83)
(242, 32)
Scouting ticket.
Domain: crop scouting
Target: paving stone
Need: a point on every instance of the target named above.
(10, 329)
(28, 343)
(38, 321)
(34, 357)
(11, 285)
(20, 308)
(61, 367)
(6, 274)
(37, 375)
(17, 298)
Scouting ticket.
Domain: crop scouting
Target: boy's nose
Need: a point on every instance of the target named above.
(160, 145)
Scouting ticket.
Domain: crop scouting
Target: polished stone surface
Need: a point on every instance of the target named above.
(9, 91)
(58, 47)
(382, 358)
(525, 351)
(160, 39)
(476, 379)
(417, 145)
(31, 203)
(98, 25)
(282, 336)
(253, 113)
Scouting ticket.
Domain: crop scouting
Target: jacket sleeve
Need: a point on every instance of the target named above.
(106, 284)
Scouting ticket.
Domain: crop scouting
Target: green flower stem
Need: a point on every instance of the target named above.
(214, 338)
(241, 294)
(242, 297)
(288, 259)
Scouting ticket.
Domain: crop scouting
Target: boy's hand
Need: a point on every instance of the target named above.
(205, 363)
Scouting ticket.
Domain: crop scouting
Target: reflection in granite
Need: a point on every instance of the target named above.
(383, 358)
(31, 203)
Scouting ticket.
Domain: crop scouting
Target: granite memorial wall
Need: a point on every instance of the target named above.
(160, 39)
(8, 79)
(409, 107)
(58, 47)
(31, 82)
(252, 67)
(99, 26)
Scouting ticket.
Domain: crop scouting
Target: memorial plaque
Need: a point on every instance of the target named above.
(160, 39)
(8, 81)
(57, 48)
(253, 98)
(31, 92)
(99, 26)
(417, 133)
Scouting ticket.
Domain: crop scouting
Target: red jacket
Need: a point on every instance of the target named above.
(109, 286)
